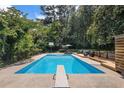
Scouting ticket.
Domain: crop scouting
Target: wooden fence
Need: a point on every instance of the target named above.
(119, 53)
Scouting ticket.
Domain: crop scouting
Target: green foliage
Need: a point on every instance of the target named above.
(107, 22)
(24, 44)
(95, 26)
(87, 27)
(20, 37)
(78, 24)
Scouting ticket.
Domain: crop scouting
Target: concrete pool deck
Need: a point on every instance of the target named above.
(110, 79)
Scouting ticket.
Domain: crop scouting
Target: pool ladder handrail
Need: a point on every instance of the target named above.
(54, 75)
(61, 80)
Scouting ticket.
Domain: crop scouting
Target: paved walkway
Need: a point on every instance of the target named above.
(110, 79)
(36, 57)
(8, 78)
(104, 62)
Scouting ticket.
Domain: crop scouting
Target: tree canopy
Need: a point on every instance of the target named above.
(84, 27)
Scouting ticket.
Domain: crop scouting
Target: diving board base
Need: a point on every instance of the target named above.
(61, 80)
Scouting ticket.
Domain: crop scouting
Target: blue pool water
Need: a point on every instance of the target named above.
(48, 65)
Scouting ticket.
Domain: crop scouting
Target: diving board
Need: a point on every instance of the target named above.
(61, 78)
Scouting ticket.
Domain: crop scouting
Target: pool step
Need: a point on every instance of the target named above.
(61, 80)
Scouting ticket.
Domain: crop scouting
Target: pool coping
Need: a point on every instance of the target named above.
(73, 55)
(33, 62)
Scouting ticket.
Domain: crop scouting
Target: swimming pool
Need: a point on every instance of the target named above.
(48, 65)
